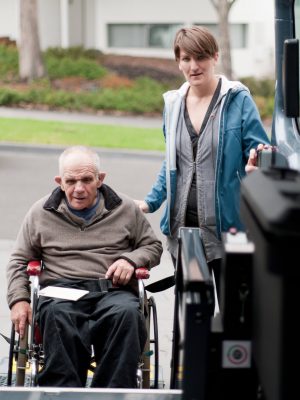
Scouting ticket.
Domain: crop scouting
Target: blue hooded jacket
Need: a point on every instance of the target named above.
(240, 129)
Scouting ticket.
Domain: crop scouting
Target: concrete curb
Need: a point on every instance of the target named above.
(105, 152)
(99, 118)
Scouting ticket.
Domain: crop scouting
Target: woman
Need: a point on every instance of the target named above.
(212, 128)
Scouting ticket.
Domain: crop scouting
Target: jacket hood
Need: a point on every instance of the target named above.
(235, 86)
(172, 95)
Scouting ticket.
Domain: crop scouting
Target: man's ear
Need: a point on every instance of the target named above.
(101, 177)
(58, 180)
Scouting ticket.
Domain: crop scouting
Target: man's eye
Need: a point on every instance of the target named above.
(87, 180)
(70, 182)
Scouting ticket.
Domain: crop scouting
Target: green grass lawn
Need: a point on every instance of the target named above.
(65, 134)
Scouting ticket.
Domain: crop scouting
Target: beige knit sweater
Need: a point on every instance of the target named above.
(72, 248)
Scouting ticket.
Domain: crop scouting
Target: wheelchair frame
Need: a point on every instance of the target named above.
(28, 351)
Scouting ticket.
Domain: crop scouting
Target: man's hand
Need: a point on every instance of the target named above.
(120, 272)
(252, 160)
(143, 206)
(20, 315)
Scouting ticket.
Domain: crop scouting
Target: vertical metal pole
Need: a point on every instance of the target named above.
(64, 23)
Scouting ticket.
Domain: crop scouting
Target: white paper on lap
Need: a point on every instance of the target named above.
(63, 293)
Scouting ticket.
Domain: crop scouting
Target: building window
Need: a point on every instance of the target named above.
(142, 35)
(238, 34)
(127, 35)
(162, 35)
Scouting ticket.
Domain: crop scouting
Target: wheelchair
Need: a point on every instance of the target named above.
(26, 355)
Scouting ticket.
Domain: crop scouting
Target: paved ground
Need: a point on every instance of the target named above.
(138, 121)
(27, 173)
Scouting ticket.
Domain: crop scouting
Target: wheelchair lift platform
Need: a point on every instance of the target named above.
(194, 309)
(21, 393)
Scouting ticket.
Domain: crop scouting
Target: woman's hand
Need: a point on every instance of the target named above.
(143, 206)
(252, 160)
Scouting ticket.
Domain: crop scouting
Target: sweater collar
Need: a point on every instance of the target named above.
(111, 199)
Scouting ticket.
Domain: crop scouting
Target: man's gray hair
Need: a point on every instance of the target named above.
(79, 150)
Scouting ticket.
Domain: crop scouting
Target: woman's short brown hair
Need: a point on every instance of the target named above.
(195, 41)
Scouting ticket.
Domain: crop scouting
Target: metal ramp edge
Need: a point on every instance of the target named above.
(21, 393)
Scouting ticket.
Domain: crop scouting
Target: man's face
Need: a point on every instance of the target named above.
(80, 182)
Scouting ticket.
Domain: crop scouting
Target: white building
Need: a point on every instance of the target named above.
(146, 28)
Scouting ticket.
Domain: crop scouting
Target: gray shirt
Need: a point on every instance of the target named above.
(204, 169)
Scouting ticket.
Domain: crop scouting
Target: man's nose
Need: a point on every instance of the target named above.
(79, 185)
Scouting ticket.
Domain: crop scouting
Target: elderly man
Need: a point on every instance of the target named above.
(84, 231)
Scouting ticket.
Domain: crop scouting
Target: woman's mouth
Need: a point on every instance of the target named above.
(195, 75)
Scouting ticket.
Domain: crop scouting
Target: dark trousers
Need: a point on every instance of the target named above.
(112, 322)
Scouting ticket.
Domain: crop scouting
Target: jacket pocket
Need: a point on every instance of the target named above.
(164, 222)
(209, 203)
(239, 176)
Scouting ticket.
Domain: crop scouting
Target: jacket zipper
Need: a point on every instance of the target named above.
(219, 154)
(188, 192)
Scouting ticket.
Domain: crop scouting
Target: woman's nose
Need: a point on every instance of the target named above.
(194, 64)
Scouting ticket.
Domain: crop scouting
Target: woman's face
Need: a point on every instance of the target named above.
(197, 71)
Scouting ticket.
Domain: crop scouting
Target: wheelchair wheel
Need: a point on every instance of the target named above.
(22, 356)
(154, 340)
(12, 352)
(151, 347)
(34, 368)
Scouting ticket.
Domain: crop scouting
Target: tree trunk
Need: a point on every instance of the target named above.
(30, 59)
(223, 7)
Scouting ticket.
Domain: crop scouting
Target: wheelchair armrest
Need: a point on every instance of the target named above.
(142, 273)
(34, 268)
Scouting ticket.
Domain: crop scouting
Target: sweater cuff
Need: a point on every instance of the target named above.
(18, 300)
(130, 261)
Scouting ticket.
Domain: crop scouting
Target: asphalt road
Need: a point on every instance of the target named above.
(27, 173)
(98, 118)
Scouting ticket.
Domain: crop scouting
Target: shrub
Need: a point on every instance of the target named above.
(144, 97)
(9, 61)
(74, 52)
(103, 90)
(260, 87)
(263, 92)
(12, 97)
(265, 106)
(61, 99)
(66, 67)
(114, 81)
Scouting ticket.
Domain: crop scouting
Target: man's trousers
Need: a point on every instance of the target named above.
(111, 322)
